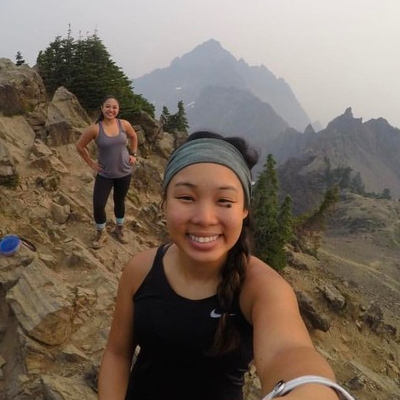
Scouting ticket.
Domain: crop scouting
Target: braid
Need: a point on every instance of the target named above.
(227, 337)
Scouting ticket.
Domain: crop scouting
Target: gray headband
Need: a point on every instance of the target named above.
(209, 150)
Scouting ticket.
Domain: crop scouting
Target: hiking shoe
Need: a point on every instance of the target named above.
(119, 232)
(100, 239)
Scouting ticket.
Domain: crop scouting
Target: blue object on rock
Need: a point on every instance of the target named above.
(9, 245)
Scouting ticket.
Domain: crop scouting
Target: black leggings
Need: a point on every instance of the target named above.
(102, 189)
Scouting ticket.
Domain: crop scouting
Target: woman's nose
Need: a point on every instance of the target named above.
(204, 214)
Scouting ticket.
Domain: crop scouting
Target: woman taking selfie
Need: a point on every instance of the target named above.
(201, 307)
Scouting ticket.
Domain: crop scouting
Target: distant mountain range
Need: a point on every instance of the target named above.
(227, 95)
(190, 78)
(369, 148)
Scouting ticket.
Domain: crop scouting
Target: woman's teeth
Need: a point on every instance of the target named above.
(203, 239)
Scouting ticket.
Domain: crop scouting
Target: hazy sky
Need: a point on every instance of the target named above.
(333, 53)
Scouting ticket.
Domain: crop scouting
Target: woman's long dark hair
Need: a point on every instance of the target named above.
(101, 115)
(227, 336)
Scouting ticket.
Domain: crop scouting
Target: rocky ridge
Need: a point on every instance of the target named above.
(56, 299)
(369, 148)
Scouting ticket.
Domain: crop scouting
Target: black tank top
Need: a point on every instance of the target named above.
(174, 334)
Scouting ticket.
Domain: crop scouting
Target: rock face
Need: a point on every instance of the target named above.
(21, 89)
(65, 119)
(42, 304)
(57, 297)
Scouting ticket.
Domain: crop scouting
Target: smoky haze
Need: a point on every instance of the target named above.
(333, 55)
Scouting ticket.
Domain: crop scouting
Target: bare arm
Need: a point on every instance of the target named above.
(133, 139)
(283, 349)
(81, 145)
(117, 358)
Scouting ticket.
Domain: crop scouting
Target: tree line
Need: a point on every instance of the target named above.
(85, 68)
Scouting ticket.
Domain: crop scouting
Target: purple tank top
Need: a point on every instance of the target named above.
(113, 154)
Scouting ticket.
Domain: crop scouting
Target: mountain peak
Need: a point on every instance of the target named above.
(345, 122)
(309, 129)
(210, 64)
(348, 114)
(210, 44)
(206, 53)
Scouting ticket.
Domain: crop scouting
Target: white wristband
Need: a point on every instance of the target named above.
(282, 388)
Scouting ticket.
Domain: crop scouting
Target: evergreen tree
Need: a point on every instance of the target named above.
(181, 120)
(309, 228)
(339, 176)
(357, 184)
(272, 224)
(49, 63)
(285, 220)
(19, 60)
(165, 117)
(385, 194)
(86, 69)
(175, 122)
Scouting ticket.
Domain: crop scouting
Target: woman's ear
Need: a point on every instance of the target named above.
(245, 213)
(162, 205)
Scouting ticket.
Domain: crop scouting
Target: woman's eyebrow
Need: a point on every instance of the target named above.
(228, 187)
(185, 183)
(193, 185)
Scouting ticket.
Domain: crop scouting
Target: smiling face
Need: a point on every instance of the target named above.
(110, 108)
(204, 209)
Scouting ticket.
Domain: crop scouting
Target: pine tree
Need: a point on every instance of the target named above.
(385, 194)
(175, 122)
(357, 184)
(309, 228)
(49, 63)
(181, 120)
(273, 223)
(165, 116)
(86, 69)
(19, 60)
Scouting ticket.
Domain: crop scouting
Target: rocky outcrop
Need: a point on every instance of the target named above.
(369, 149)
(42, 304)
(22, 92)
(8, 172)
(21, 89)
(65, 119)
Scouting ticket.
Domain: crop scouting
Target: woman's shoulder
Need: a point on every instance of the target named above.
(93, 129)
(263, 289)
(261, 278)
(138, 267)
(125, 124)
(257, 268)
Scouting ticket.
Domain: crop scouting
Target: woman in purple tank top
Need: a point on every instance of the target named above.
(113, 168)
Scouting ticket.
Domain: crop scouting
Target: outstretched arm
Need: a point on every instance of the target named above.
(283, 349)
